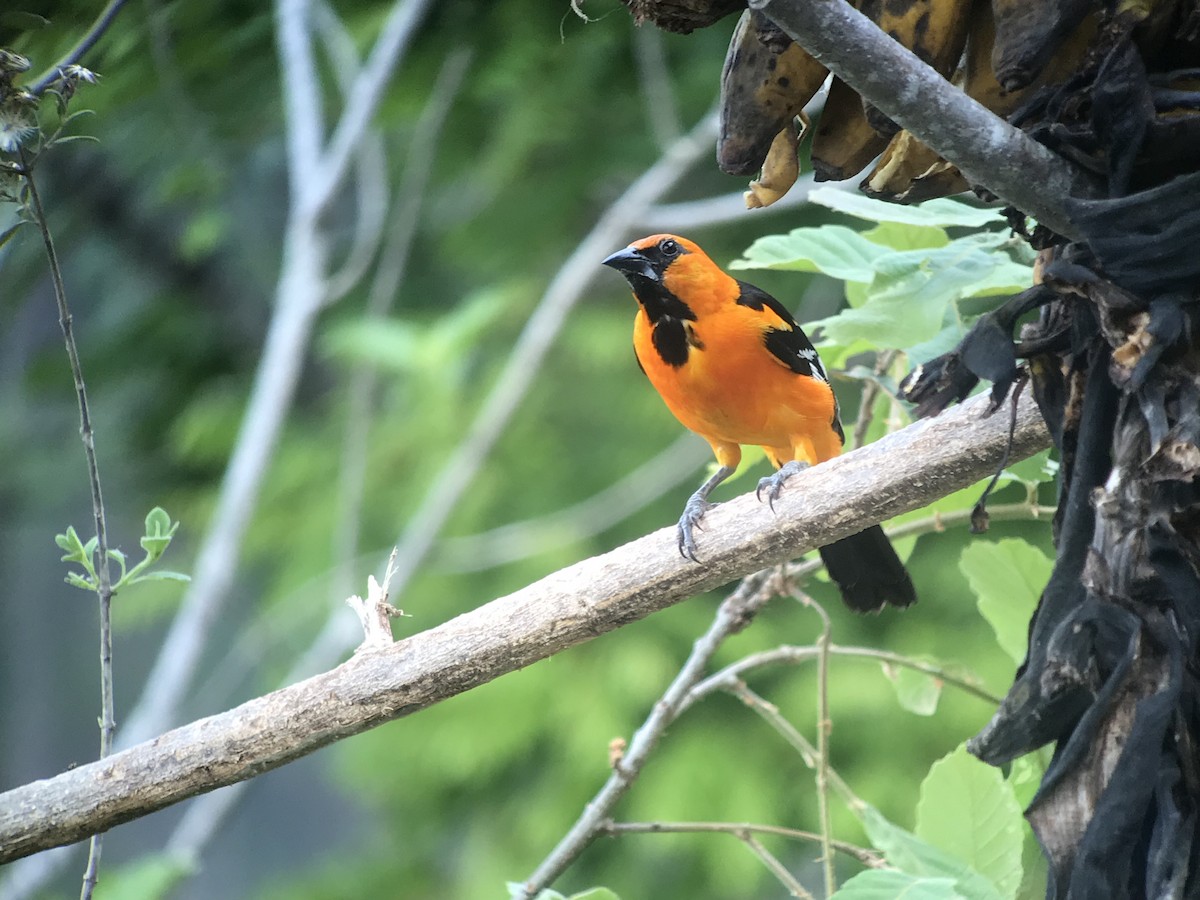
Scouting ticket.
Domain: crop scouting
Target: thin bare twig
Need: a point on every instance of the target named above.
(365, 94)
(824, 729)
(385, 286)
(654, 82)
(778, 869)
(867, 857)
(76, 53)
(770, 713)
(788, 654)
(103, 577)
(870, 391)
(735, 613)
(370, 162)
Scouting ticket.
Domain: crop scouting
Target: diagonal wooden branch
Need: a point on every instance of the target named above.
(989, 151)
(901, 472)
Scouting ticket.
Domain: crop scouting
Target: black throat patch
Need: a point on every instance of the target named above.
(670, 339)
(668, 315)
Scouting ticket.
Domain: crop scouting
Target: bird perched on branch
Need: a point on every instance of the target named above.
(733, 366)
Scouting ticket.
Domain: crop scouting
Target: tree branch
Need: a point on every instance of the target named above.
(989, 151)
(901, 472)
(76, 53)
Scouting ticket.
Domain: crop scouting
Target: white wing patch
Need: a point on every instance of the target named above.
(810, 356)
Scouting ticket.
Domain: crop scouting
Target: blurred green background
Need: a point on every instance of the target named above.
(170, 231)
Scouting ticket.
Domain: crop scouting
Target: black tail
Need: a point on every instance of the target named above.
(868, 572)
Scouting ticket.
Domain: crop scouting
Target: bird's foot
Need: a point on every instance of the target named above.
(693, 512)
(773, 484)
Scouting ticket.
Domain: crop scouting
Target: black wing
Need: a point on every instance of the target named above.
(787, 342)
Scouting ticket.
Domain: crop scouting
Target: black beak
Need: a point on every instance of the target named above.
(631, 261)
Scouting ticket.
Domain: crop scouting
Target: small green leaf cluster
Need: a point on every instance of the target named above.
(159, 532)
(29, 126)
(911, 284)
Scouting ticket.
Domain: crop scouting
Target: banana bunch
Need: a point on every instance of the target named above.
(1000, 52)
(768, 79)
(1003, 65)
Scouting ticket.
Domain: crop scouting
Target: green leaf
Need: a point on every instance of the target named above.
(120, 558)
(940, 212)
(76, 580)
(906, 237)
(911, 854)
(1007, 577)
(908, 301)
(916, 691)
(1035, 871)
(159, 523)
(7, 234)
(20, 20)
(159, 531)
(953, 331)
(834, 250)
(597, 893)
(159, 575)
(968, 810)
(889, 884)
(1025, 776)
(69, 541)
(517, 889)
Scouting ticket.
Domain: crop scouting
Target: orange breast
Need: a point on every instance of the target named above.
(733, 390)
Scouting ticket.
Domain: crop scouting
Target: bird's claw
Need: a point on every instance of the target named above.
(693, 512)
(773, 484)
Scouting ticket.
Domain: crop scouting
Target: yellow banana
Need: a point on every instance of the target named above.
(909, 172)
(766, 81)
(779, 172)
(844, 141)
(934, 30)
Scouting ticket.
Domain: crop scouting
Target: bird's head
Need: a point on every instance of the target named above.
(669, 274)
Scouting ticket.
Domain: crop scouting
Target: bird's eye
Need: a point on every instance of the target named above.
(669, 247)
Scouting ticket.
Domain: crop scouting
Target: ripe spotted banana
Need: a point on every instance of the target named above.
(766, 81)
(844, 141)
(779, 172)
(909, 172)
(934, 30)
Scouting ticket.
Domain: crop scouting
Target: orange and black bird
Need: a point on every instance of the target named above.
(733, 366)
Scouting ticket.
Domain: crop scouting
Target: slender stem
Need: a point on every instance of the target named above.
(824, 729)
(735, 613)
(871, 389)
(791, 655)
(778, 869)
(867, 857)
(83, 46)
(103, 577)
(772, 716)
